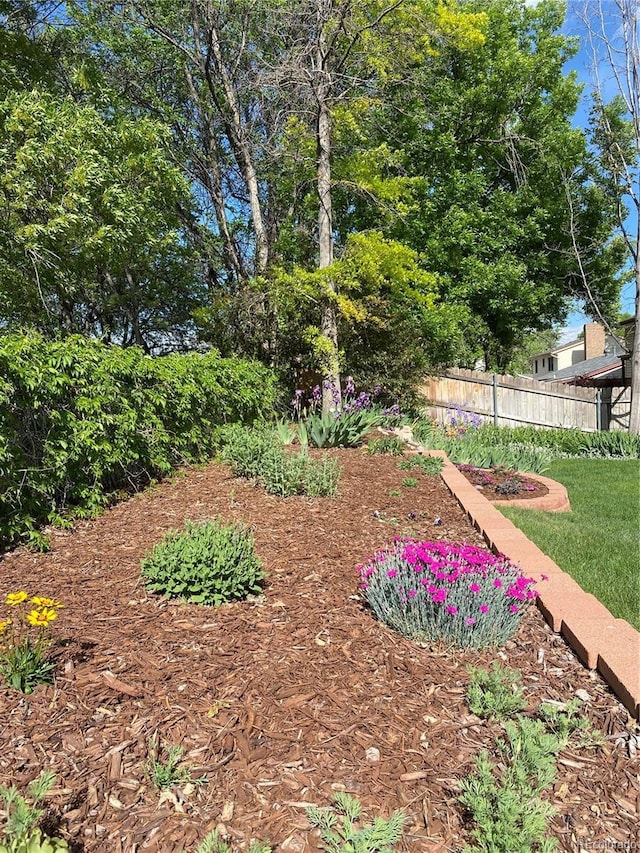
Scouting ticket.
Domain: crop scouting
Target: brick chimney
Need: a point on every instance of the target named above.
(594, 340)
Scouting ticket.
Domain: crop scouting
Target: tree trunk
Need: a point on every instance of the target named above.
(634, 414)
(236, 132)
(331, 396)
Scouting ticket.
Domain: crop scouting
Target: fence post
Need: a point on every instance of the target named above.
(495, 400)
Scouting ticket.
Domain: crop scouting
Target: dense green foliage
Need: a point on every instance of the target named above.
(90, 237)
(209, 563)
(597, 542)
(80, 420)
(161, 179)
(499, 172)
(475, 447)
(616, 444)
(258, 455)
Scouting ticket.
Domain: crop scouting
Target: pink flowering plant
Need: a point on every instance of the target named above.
(459, 593)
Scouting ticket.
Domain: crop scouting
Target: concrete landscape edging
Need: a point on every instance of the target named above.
(601, 642)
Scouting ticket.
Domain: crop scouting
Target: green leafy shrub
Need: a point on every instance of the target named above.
(81, 421)
(389, 446)
(257, 454)
(496, 692)
(458, 593)
(341, 830)
(248, 451)
(321, 477)
(209, 563)
(409, 482)
(21, 817)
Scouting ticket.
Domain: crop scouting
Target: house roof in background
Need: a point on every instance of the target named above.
(591, 367)
(579, 342)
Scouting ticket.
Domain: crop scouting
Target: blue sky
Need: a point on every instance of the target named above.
(582, 64)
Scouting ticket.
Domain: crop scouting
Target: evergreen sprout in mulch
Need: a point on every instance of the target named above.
(279, 701)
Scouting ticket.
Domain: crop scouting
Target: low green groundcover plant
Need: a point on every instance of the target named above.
(22, 815)
(213, 843)
(496, 693)
(387, 446)
(431, 466)
(258, 455)
(208, 563)
(342, 830)
(503, 798)
(458, 593)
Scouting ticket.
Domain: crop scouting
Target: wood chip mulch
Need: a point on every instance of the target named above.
(280, 701)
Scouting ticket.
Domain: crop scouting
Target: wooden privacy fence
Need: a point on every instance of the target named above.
(515, 401)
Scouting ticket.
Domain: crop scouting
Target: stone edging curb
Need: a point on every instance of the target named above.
(612, 646)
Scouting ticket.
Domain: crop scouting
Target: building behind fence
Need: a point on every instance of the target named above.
(516, 401)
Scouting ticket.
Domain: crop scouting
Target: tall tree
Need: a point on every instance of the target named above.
(234, 80)
(488, 136)
(613, 29)
(338, 56)
(90, 237)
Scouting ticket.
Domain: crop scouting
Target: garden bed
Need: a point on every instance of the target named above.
(502, 484)
(282, 700)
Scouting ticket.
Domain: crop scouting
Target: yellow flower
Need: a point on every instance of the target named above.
(4, 625)
(41, 618)
(14, 598)
(42, 601)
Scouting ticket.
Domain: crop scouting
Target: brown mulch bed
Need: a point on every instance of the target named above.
(485, 481)
(285, 699)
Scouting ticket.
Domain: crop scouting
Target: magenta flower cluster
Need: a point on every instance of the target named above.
(446, 590)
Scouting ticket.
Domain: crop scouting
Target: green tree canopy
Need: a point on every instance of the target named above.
(90, 237)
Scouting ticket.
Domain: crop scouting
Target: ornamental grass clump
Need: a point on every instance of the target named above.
(208, 563)
(458, 593)
(25, 640)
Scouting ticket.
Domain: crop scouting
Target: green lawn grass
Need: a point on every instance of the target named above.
(598, 542)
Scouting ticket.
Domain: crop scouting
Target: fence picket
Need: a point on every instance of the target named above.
(523, 401)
